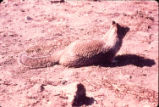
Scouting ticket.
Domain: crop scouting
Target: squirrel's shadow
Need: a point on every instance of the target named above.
(131, 59)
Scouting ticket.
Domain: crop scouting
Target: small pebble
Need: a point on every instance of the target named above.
(29, 18)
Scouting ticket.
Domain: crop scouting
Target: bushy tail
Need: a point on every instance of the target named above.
(39, 62)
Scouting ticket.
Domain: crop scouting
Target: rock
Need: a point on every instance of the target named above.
(80, 97)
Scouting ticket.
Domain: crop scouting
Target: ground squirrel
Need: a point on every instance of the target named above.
(82, 52)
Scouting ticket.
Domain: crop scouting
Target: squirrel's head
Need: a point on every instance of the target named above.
(120, 30)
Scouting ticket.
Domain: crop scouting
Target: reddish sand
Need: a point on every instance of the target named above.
(30, 24)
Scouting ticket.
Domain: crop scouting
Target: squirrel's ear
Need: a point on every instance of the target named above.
(113, 22)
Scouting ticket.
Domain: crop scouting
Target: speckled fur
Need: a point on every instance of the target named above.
(83, 52)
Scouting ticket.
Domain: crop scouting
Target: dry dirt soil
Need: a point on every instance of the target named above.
(45, 25)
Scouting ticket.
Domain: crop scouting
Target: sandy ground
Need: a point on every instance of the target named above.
(32, 24)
